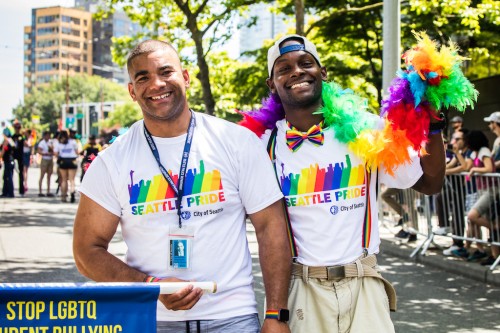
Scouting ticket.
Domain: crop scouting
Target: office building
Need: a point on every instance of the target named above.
(115, 25)
(267, 26)
(58, 43)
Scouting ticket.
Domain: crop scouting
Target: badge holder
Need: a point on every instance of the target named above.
(180, 245)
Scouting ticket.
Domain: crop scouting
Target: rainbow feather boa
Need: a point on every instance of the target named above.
(432, 80)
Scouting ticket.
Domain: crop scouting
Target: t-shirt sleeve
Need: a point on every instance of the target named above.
(258, 186)
(484, 152)
(98, 185)
(405, 176)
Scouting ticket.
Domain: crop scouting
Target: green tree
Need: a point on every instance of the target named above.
(46, 101)
(123, 115)
(348, 36)
(202, 24)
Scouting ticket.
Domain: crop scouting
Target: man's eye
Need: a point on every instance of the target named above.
(283, 69)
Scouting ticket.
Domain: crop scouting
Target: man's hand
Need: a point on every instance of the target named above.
(274, 326)
(184, 299)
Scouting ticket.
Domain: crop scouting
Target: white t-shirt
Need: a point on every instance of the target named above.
(67, 150)
(481, 154)
(44, 146)
(228, 175)
(325, 192)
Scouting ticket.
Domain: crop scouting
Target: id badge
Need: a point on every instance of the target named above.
(180, 245)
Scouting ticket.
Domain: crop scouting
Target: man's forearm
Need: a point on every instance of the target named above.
(101, 266)
(275, 257)
(275, 262)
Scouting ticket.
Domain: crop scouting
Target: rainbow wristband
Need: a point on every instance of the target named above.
(150, 279)
(272, 314)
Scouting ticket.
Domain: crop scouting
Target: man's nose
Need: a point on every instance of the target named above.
(297, 70)
(156, 81)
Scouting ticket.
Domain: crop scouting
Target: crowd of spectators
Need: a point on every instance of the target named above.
(58, 155)
(469, 203)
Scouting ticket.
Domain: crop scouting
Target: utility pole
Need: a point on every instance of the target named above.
(391, 57)
(101, 115)
(67, 92)
(299, 17)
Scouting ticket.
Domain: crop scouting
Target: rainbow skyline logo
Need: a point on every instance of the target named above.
(313, 185)
(158, 188)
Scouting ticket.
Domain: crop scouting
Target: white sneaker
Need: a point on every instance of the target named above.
(447, 252)
(441, 231)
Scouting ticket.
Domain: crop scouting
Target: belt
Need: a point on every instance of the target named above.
(362, 267)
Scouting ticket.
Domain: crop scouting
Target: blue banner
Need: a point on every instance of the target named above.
(78, 308)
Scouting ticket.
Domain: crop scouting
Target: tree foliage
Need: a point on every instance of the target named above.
(46, 101)
(348, 35)
(123, 115)
(202, 25)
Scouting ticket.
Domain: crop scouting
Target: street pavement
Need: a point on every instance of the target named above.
(435, 294)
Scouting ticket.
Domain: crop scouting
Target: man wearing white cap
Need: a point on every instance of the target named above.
(494, 125)
(336, 285)
(456, 124)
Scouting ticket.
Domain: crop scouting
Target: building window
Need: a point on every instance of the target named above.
(47, 67)
(47, 31)
(44, 79)
(70, 43)
(47, 42)
(47, 19)
(47, 54)
(69, 31)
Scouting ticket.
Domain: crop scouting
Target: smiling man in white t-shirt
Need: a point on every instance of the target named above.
(181, 177)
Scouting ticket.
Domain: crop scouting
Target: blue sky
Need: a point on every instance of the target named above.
(14, 15)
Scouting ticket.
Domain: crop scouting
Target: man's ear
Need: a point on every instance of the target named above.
(131, 91)
(271, 86)
(187, 79)
(324, 74)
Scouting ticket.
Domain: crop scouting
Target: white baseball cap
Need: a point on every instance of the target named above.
(494, 117)
(275, 51)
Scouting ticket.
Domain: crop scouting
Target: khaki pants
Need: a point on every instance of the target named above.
(350, 305)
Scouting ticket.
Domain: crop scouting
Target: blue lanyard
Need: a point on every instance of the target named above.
(178, 188)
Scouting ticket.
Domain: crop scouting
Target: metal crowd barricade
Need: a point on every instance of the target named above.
(449, 209)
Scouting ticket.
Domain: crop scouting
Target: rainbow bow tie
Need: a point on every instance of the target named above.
(295, 138)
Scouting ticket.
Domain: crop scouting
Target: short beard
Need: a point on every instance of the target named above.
(306, 103)
(170, 117)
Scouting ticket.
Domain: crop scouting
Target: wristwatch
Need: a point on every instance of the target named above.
(282, 315)
(439, 126)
